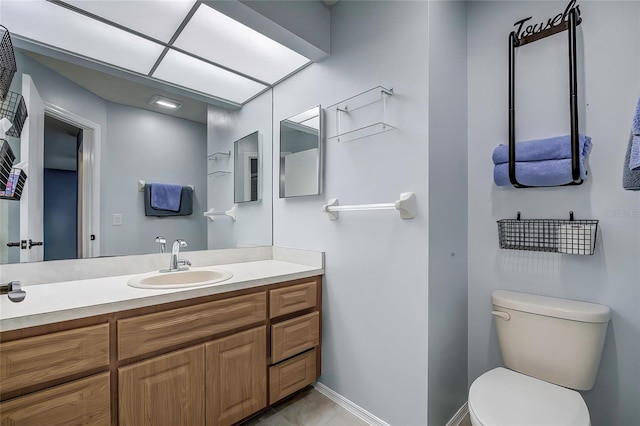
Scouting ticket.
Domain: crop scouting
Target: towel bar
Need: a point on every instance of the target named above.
(141, 185)
(405, 206)
(211, 213)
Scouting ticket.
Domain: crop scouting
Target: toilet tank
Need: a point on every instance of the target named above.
(556, 340)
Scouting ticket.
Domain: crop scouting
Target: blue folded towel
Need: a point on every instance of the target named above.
(555, 148)
(634, 159)
(538, 173)
(165, 196)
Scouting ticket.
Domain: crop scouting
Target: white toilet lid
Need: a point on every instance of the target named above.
(502, 397)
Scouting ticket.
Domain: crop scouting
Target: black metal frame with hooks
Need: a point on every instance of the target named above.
(570, 25)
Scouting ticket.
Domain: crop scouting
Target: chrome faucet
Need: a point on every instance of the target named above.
(163, 243)
(176, 264)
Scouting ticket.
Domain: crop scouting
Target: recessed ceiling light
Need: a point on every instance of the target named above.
(203, 77)
(158, 19)
(163, 102)
(56, 26)
(225, 41)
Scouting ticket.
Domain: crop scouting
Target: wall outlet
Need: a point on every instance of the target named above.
(117, 219)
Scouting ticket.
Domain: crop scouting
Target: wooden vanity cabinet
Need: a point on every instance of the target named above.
(210, 361)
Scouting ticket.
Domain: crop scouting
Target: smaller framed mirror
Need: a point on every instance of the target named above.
(301, 154)
(247, 169)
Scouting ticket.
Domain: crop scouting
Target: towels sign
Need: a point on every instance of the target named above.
(553, 25)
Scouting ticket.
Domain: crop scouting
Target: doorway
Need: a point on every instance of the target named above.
(62, 185)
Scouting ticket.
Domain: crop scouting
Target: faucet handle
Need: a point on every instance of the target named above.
(182, 243)
(163, 243)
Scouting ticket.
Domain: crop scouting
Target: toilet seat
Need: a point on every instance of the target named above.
(503, 397)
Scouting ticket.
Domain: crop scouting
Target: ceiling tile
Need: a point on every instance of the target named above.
(61, 28)
(203, 77)
(156, 18)
(220, 39)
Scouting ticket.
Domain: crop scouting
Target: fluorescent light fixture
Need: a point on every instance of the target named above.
(203, 77)
(61, 28)
(166, 103)
(220, 39)
(159, 19)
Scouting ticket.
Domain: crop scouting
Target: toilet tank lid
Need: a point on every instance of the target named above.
(551, 306)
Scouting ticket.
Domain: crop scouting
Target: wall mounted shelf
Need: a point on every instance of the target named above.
(218, 162)
(360, 116)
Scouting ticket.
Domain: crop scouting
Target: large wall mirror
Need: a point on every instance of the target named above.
(247, 169)
(301, 154)
(103, 120)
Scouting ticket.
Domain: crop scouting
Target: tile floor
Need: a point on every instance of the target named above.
(311, 408)
(308, 408)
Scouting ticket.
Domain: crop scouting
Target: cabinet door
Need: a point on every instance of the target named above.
(82, 402)
(236, 376)
(165, 390)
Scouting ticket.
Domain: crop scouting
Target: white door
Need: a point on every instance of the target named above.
(32, 162)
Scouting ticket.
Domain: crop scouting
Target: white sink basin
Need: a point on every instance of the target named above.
(181, 279)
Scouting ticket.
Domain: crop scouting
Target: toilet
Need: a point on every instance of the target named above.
(551, 347)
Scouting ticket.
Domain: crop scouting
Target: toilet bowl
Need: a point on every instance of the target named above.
(550, 347)
(503, 397)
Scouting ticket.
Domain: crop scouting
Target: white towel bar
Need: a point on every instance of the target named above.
(211, 213)
(405, 206)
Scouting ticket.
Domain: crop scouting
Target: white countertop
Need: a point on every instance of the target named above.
(62, 301)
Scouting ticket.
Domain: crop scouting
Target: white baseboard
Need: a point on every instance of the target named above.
(459, 416)
(354, 409)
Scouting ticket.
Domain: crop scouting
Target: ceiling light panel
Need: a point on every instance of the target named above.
(61, 28)
(220, 39)
(203, 77)
(159, 19)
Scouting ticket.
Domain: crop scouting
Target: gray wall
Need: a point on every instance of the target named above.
(254, 220)
(610, 66)
(156, 148)
(447, 209)
(375, 290)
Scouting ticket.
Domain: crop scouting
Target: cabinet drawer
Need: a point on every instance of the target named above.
(296, 335)
(292, 299)
(82, 402)
(39, 359)
(148, 333)
(292, 375)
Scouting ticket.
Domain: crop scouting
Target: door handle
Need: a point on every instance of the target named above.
(31, 243)
(13, 244)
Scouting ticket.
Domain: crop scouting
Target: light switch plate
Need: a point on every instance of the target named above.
(117, 219)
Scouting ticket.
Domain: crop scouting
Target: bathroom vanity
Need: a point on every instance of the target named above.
(212, 359)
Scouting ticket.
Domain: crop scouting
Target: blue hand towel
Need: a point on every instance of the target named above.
(538, 173)
(165, 196)
(634, 158)
(555, 148)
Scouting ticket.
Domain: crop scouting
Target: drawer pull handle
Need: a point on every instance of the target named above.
(504, 315)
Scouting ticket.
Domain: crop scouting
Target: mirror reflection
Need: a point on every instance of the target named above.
(247, 169)
(102, 128)
(301, 154)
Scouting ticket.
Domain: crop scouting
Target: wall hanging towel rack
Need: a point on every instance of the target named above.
(550, 235)
(405, 206)
(570, 23)
(211, 213)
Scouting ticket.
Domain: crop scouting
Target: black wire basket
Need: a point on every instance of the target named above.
(567, 236)
(7, 157)
(15, 185)
(15, 110)
(7, 62)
